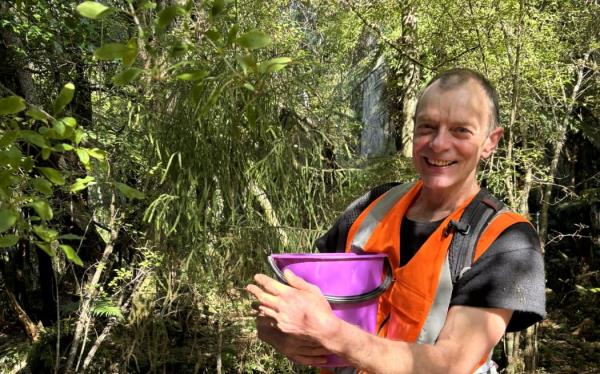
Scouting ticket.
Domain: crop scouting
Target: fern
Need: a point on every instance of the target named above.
(105, 308)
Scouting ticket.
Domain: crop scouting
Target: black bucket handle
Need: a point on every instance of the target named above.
(344, 299)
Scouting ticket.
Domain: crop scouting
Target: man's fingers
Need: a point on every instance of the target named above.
(309, 360)
(297, 282)
(263, 297)
(270, 285)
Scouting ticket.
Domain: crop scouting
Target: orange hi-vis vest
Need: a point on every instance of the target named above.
(415, 306)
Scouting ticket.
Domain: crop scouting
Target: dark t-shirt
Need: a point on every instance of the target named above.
(509, 275)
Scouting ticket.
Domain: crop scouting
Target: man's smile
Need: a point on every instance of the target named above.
(438, 163)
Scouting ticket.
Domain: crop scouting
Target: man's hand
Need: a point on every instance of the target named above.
(299, 350)
(293, 318)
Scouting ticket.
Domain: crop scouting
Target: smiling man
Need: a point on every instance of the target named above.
(466, 269)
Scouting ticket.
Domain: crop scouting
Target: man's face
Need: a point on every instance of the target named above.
(451, 135)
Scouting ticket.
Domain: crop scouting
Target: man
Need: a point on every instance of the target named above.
(456, 126)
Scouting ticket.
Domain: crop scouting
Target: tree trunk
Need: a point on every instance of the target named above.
(404, 84)
(33, 330)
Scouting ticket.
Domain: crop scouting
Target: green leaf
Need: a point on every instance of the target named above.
(219, 6)
(254, 39)
(64, 98)
(111, 51)
(213, 35)
(129, 192)
(83, 155)
(105, 308)
(37, 114)
(126, 76)
(147, 5)
(232, 34)
(193, 75)
(275, 64)
(68, 122)
(96, 153)
(247, 63)
(70, 237)
(82, 183)
(53, 175)
(131, 55)
(62, 147)
(12, 105)
(9, 137)
(42, 208)
(46, 234)
(92, 9)
(79, 135)
(46, 248)
(42, 185)
(34, 138)
(71, 254)
(59, 127)
(167, 15)
(8, 240)
(8, 218)
(46, 152)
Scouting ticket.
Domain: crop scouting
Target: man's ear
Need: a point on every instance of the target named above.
(491, 142)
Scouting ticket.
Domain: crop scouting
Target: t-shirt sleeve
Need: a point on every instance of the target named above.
(509, 275)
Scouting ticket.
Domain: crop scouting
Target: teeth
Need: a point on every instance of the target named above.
(439, 162)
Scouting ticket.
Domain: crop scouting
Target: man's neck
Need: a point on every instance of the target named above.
(432, 205)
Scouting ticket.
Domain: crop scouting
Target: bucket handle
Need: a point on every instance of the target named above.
(344, 299)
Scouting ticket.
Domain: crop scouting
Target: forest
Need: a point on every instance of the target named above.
(154, 153)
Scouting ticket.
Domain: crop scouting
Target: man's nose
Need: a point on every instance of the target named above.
(440, 140)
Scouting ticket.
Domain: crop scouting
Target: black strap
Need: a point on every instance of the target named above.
(475, 218)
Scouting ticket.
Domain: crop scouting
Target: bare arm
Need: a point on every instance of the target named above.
(301, 311)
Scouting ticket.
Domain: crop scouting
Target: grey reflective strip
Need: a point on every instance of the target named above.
(439, 309)
(382, 206)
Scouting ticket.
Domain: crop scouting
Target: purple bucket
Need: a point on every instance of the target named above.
(350, 282)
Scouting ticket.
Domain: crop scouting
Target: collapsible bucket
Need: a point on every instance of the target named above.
(350, 282)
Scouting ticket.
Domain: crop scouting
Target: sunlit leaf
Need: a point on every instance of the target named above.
(53, 175)
(126, 76)
(274, 65)
(46, 234)
(83, 155)
(64, 98)
(254, 39)
(129, 192)
(46, 152)
(92, 9)
(43, 209)
(12, 105)
(96, 153)
(193, 75)
(71, 254)
(8, 218)
(37, 114)
(79, 135)
(82, 183)
(46, 248)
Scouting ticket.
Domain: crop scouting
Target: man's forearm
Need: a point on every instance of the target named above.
(378, 355)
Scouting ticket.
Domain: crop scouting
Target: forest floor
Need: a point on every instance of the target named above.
(566, 347)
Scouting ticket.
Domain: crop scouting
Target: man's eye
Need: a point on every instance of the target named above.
(462, 130)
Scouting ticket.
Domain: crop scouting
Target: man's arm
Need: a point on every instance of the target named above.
(301, 311)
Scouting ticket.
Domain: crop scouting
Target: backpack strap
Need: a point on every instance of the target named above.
(467, 231)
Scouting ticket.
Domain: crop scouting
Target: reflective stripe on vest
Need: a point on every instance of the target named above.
(414, 308)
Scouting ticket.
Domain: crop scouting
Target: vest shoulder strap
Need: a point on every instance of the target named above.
(467, 231)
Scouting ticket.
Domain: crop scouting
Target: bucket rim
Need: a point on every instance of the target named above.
(328, 256)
